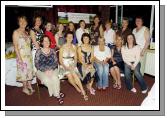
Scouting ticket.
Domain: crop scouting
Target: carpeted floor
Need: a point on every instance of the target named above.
(110, 97)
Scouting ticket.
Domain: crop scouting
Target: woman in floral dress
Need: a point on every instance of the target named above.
(21, 41)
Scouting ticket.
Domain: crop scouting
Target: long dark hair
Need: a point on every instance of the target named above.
(34, 19)
(98, 18)
(68, 26)
(134, 40)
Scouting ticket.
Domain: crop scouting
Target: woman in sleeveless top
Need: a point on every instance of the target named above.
(116, 64)
(96, 31)
(36, 34)
(59, 36)
(142, 36)
(68, 60)
(21, 41)
(85, 52)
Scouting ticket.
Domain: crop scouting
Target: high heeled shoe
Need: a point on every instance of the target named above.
(31, 90)
(119, 87)
(26, 91)
(85, 97)
(92, 91)
(60, 100)
(62, 95)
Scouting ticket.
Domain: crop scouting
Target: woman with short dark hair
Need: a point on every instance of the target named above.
(46, 63)
(82, 29)
(86, 59)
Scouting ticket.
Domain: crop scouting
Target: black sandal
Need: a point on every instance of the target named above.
(62, 95)
(60, 101)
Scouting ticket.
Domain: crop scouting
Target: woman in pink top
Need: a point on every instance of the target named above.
(131, 56)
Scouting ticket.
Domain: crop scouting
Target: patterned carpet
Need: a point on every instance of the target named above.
(110, 97)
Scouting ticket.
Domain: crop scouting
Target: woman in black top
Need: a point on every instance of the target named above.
(116, 64)
(96, 31)
(85, 65)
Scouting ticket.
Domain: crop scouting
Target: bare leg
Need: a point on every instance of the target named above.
(30, 87)
(118, 76)
(78, 82)
(113, 73)
(72, 82)
(25, 89)
(91, 82)
(91, 89)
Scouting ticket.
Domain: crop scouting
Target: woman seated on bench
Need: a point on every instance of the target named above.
(116, 64)
(46, 63)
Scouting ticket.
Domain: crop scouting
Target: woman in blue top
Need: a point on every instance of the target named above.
(46, 63)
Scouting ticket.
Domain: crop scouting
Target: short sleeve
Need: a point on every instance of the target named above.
(108, 52)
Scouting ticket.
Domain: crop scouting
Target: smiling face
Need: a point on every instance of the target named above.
(86, 40)
(139, 22)
(101, 41)
(108, 25)
(130, 40)
(96, 20)
(22, 23)
(46, 42)
(61, 27)
(119, 41)
(69, 38)
(125, 23)
(38, 22)
(48, 26)
(71, 26)
(82, 25)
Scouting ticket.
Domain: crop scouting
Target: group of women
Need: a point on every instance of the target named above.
(83, 55)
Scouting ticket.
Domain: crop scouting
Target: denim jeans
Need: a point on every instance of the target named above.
(138, 75)
(102, 71)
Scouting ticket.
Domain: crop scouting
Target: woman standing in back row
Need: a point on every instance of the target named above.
(96, 30)
(21, 41)
(36, 34)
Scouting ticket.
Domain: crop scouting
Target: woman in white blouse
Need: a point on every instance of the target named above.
(131, 56)
(102, 55)
(80, 31)
(109, 35)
